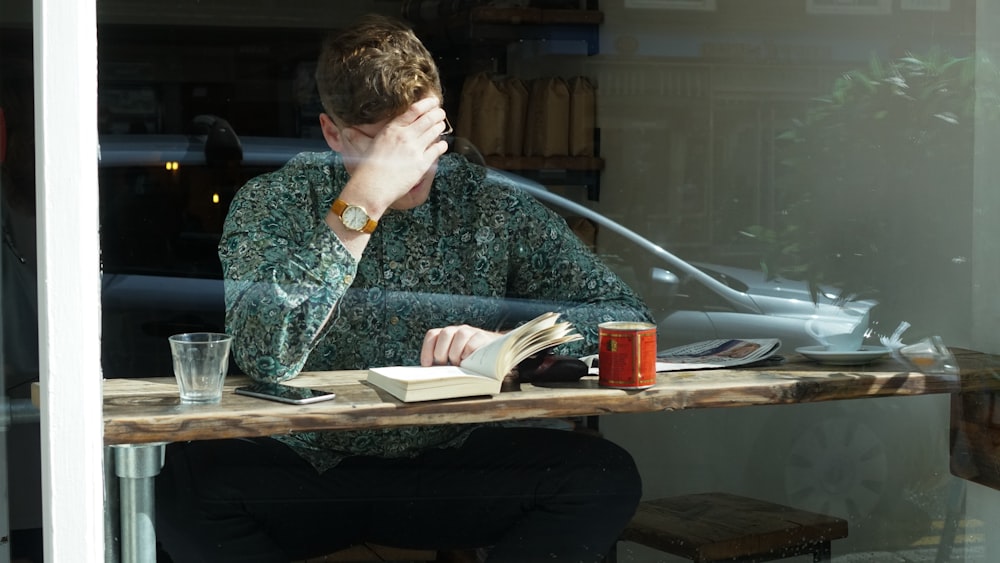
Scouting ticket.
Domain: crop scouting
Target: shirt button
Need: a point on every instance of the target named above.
(348, 279)
(394, 320)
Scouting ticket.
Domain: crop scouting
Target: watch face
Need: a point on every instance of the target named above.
(355, 217)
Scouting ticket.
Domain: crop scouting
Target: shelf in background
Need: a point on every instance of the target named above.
(514, 163)
(487, 24)
(556, 170)
(515, 16)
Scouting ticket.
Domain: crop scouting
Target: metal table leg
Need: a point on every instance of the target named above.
(112, 504)
(136, 466)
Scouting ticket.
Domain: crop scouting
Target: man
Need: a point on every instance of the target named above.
(389, 252)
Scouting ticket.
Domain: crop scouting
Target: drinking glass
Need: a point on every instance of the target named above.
(201, 360)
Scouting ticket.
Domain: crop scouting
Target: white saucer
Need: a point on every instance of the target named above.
(843, 358)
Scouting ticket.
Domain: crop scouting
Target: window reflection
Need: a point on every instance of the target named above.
(724, 143)
(18, 282)
(17, 189)
(832, 144)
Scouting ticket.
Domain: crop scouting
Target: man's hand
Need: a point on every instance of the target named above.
(397, 159)
(452, 344)
(391, 164)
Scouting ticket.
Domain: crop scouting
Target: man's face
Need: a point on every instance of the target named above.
(355, 142)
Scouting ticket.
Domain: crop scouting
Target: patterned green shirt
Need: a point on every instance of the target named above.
(297, 300)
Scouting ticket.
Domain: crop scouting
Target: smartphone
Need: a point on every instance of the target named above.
(285, 393)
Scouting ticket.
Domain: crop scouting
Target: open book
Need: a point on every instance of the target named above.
(481, 373)
(716, 354)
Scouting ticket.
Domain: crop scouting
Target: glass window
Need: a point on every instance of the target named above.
(760, 157)
(20, 487)
(744, 166)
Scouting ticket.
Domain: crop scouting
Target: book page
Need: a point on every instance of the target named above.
(497, 358)
(535, 342)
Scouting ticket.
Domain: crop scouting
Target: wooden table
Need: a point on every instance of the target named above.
(142, 415)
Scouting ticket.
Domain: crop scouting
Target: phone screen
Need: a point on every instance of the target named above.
(285, 393)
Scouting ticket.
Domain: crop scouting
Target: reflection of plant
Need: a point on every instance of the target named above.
(874, 173)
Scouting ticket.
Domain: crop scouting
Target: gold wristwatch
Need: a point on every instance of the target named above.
(353, 217)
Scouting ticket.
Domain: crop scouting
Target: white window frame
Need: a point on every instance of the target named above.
(65, 62)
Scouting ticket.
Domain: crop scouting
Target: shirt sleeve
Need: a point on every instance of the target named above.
(549, 262)
(284, 272)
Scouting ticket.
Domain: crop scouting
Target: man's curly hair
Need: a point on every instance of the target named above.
(374, 71)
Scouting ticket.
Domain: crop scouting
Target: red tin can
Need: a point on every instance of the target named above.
(627, 355)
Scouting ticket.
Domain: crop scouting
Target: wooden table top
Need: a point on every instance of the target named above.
(148, 410)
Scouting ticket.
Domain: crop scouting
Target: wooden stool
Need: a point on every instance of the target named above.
(724, 527)
(372, 552)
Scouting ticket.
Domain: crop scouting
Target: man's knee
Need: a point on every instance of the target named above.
(621, 476)
(597, 467)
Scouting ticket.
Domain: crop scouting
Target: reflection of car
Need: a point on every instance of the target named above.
(164, 198)
(694, 302)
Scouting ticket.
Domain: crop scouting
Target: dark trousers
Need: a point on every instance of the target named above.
(531, 494)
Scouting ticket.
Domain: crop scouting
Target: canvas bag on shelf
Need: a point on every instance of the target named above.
(547, 125)
(582, 116)
(490, 121)
(517, 111)
(467, 105)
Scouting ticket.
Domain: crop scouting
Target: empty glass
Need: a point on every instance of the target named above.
(201, 360)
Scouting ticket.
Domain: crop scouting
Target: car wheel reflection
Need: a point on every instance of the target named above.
(837, 466)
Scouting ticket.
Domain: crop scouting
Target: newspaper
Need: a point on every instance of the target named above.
(716, 354)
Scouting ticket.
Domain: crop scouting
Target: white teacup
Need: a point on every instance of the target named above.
(841, 333)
